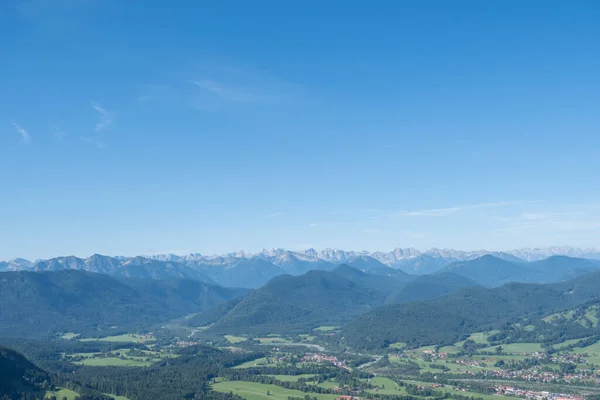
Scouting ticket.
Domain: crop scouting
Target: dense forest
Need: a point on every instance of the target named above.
(450, 318)
(37, 304)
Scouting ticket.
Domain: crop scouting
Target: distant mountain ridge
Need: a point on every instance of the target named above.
(252, 270)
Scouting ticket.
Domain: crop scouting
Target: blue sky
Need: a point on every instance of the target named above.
(209, 127)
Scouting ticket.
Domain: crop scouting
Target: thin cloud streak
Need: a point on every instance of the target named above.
(98, 144)
(442, 212)
(274, 215)
(105, 118)
(59, 134)
(25, 136)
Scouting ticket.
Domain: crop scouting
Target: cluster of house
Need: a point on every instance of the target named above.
(436, 354)
(472, 363)
(186, 343)
(318, 357)
(534, 395)
(534, 374)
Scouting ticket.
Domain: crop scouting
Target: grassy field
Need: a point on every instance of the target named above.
(593, 352)
(326, 328)
(482, 337)
(235, 339)
(308, 338)
(258, 391)
(519, 348)
(450, 349)
(60, 393)
(112, 362)
(258, 362)
(397, 345)
(116, 397)
(386, 386)
(291, 378)
(273, 339)
(69, 335)
(98, 359)
(126, 338)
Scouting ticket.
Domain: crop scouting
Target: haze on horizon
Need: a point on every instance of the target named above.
(205, 128)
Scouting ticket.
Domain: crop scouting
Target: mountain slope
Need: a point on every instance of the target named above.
(559, 268)
(447, 319)
(426, 287)
(385, 284)
(37, 304)
(248, 273)
(18, 374)
(492, 271)
(143, 268)
(287, 302)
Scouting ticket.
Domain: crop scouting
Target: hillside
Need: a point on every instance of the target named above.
(447, 319)
(493, 271)
(37, 304)
(317, 297)
(426, 287)
(385, 284)
(559, 268)
(143, 268)
(247, 273)
(19, 375)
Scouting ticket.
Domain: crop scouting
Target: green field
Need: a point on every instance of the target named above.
(291, 378)
(326, 328)
(258, 362)
(69, 335)
(112, 362)
(482, 337)
(397, 345)
(308, 338)
(258, 391)
(592, 351)
(386, 386)
(116, 358)
(235, 339)
(116, 397)
(60, 393)
(450, 349)
(272, 339)
(126, 338)
(518, 348)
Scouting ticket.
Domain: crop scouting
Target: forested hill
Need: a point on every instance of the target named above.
(36, 304)
(491, 271)
(448, 319)
(19, 378)
(426, 287)
(288, 302)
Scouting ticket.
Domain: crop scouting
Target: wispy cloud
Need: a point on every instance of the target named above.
(106, 118)
(315, 224)
(216, 84)
(371, 231)
(94, 142)
(274, 215)
(151, 93)
(534, 216)
(25, 136)
(234, 93)
(59, 134)
(442, 212)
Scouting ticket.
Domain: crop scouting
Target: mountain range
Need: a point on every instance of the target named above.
(35, 304)
(248, 270)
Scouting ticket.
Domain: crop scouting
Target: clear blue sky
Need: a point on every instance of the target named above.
(130, 127)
